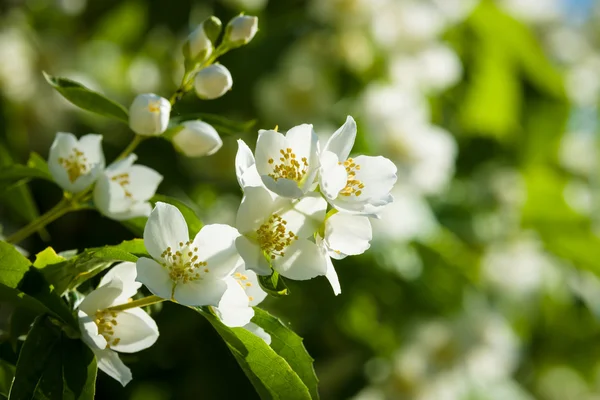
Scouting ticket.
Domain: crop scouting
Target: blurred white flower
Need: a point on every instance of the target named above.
(288, 164)
(241, 30)
(123, 190)
(197, 139)
(533, 11)
(198, 47)
(16, 69)
(275, 232)
(75, 164)
(213, 82)
(193, 273)
(149, 114)
(106, 331)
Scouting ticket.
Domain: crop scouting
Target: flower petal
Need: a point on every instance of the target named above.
(234, 309)
(102, 298)
(244, 159)
(332, 277)
(301, 139)
(255, 208)
(253, 290)
(143, 182)
(207, 292)
(306, 215)
(303, 260)
(135, 329)
(342, 140)
(126, 273)
(348, 234)
(252, 255)
(166, 227)
(268, 145)
(378, 175)
(333, 175)
(155, 277)
(89, 331)
(216, 246)
(109, 362)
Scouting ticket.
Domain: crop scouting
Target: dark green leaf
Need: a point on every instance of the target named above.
(7, 373)
(87, 99)
(193, 222)
(273, 284)
(270, 374)
(288, 345)
(36, 350)
(13, 265)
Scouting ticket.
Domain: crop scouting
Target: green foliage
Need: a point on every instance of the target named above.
(87, 99)
(52, 366)
(273, 284)
(288, 345)
(270, 374)
(7, 373)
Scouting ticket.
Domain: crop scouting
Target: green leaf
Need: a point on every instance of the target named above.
(36, 350)
(7, 373)
(270, 374)
(46, 257)
(87, 99)
(69, 273)
(135, 225)
(273, 284)
(289, 345)
(193, 222)
(13, 265)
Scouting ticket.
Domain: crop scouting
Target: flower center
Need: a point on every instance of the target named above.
(273, 237)
(154, 106)
(106, 321)
(353, 185)
(243, 281)
(184, 264)
(76, 164)
(289, 167)
(123, 180)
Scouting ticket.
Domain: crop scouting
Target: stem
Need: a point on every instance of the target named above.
(137, 139)
(146, 301)
(60, 209)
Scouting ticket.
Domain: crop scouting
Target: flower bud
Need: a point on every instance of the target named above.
(149, 114)
(197, 139)
(213, 81)
(199, 44)
(240, 30)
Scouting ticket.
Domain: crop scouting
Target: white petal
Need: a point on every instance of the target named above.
(342, 140)
(301, 139)
(267, 146)
(89, 331)
(234, 309)
(253, 290)
(155, 277)
(213, 82)
(332, 277)
(102, 194)
(149, 114)
(197, 139)
(61, 147)
(166, 227)
(348, 234)
(143, 182)
(332, 176)
(135, 329)
(216, 246)
(303, 260)
(252, 255)
(255, 209)
(91, 145)
(258, 331)
(121, 166)
(306, 215)
(126, 273)
(102, 298)
(244, 159)
(207, 292)
(378, 174)
(109, 362)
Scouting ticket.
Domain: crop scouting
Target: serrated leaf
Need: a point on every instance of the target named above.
(270, 374)
(273, 284)
(193, 222)
(288, 345)
(46, 257)
(87, 99)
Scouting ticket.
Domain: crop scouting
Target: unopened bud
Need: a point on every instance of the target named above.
(199, 44)
(149, 114)
(197, 139)
(240, 30)
(213, 81)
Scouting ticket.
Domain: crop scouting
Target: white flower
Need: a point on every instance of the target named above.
(240, 30)
(107, 331)
(149, 114)
(76, 164)
(359, 185)
(198, 46)
(288, 164)
(275, 231)
(197, 139)
(243, 293)
(344, 235)
(194, 272)
(213, 82)
(245, 167)
(123, 190)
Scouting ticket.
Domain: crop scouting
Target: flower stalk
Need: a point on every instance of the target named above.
(143, 302)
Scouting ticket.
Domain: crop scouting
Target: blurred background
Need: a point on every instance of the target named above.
(482, 280)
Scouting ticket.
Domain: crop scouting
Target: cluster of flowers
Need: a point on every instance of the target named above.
(283, 224)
